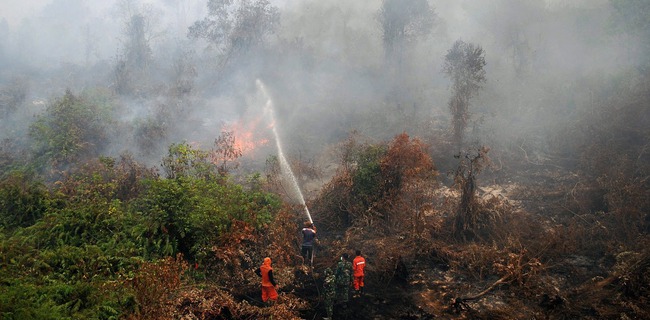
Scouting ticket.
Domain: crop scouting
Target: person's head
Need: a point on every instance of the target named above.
(328, 272)
(308, 224)
(345, 256)
(267, 261)
(358, 252)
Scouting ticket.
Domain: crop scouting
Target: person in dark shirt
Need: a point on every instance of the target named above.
(308, 240)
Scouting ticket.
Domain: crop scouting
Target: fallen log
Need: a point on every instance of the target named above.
(460, 303)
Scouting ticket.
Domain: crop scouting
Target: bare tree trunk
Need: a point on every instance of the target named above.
(466, 217)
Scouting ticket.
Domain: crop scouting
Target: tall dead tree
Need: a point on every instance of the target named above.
(402, 22)
(234, 28)
(131, 70)
(464, 64)
(467, 221)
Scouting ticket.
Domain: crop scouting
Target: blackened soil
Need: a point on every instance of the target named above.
(391, 301)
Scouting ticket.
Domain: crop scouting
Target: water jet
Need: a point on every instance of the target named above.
(284, 164)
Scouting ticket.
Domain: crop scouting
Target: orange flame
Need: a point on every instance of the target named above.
(248, 135)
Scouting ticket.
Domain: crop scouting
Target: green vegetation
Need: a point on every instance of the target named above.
(75, 248)
(72, 129)
(22, 202)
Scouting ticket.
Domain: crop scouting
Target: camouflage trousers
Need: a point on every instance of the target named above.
(343, 293)
(329, 306)
(329, 299)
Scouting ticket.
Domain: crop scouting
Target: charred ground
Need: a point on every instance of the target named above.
(537, 242)
(545, 238)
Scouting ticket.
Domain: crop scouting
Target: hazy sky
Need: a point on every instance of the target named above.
(15, 10)
(326, 64)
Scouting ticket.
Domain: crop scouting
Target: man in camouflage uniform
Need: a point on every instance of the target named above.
(329, 286)
(343, 279)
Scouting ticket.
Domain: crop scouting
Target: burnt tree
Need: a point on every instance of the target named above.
(464, 64)
(467, 219)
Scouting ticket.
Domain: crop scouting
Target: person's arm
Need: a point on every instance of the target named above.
(258, 272)
(271, 278)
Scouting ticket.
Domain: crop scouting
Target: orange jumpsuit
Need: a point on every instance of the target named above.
(268, 283)
(357, 268)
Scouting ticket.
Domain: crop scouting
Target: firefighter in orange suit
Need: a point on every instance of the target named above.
(358, 264)
(268, 283)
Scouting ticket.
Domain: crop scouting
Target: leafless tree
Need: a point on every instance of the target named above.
(464, 64)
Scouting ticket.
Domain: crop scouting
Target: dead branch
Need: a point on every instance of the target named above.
(526, 154)
(503, 279)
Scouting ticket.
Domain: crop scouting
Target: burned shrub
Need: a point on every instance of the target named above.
(385, 186)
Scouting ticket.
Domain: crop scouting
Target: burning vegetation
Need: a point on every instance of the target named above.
(500, 186)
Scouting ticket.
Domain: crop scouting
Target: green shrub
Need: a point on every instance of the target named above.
(189, 213)
(73, 128)
(22, 201)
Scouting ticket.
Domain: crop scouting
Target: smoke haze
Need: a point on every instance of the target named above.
(325, 64)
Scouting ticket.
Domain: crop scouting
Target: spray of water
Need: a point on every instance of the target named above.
(284, 165)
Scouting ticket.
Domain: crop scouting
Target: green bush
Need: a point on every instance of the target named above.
(190, 213)
(73, 128)
(70, 250)
(22, 201)
(367, 178)
(26, 301)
